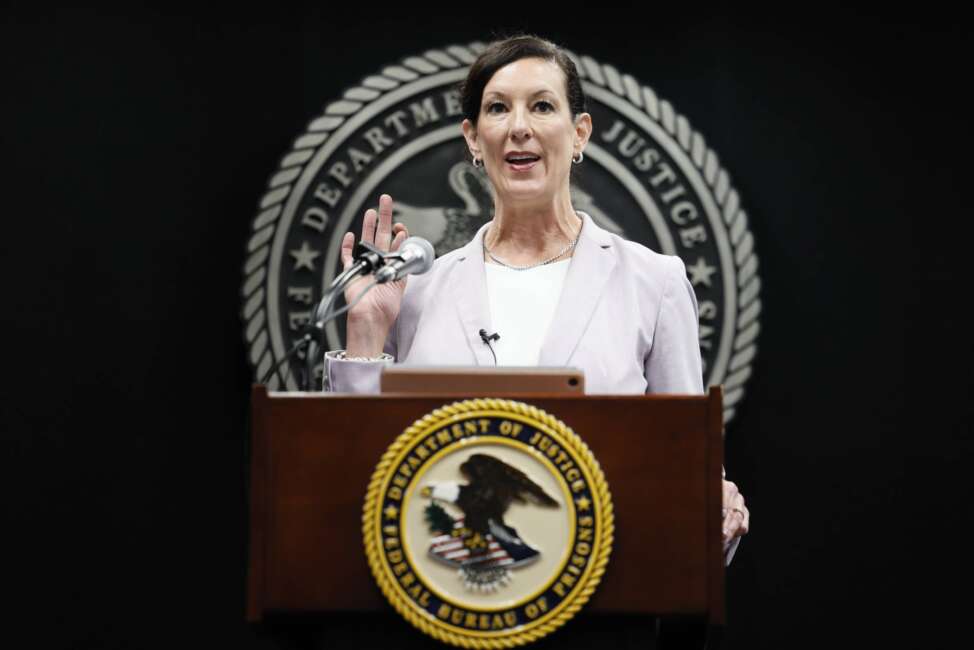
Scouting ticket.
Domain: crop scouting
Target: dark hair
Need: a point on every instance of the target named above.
(500, 53)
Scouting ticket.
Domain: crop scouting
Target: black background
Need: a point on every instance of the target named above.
(137, 143)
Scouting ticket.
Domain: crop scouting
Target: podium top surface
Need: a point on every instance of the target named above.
(463, 380)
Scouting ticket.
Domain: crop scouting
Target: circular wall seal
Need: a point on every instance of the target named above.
(647, 176)
(488, 523)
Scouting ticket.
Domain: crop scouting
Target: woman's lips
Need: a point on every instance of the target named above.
(522, 163)
(522, 166)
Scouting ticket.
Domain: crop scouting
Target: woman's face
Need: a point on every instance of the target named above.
(525, 133)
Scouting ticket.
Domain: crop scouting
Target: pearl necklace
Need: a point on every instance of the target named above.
(563, 251)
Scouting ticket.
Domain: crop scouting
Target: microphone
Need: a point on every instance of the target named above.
(487, 338)
(414, 257)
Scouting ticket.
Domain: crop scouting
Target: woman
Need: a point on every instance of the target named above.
(560, 290)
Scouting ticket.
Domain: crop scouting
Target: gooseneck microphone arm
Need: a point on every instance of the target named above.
(414, 256)
(367, 260)
(314, 330)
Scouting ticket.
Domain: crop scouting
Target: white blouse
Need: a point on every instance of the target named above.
(522, 306)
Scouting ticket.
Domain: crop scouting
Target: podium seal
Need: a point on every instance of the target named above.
(488, 523)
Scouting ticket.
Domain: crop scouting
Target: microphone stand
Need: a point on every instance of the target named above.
(367, 259)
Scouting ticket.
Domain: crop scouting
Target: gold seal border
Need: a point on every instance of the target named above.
(524, 634)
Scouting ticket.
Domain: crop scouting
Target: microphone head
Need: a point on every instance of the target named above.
(414, 257)
(420, 250)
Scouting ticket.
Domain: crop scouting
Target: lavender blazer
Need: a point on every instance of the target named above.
(627, 317)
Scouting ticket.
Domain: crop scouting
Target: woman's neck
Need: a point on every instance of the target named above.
(523, 234)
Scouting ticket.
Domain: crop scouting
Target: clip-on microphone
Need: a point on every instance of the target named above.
(487, 338)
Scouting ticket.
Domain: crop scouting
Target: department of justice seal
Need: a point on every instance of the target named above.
(648, 176)
(488, 523)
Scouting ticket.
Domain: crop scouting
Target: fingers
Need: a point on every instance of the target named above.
(377, 225)
(348, 243)
(730, 491)
(736, 522)
(383, 231)
(735, 513)
(368, 226)
(745, 518)
(400, 233)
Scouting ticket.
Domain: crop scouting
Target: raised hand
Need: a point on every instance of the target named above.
(370, 320)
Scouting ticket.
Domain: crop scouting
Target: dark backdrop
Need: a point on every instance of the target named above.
(137, 143)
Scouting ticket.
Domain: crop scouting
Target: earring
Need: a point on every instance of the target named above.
(577, 158)
(478, 163)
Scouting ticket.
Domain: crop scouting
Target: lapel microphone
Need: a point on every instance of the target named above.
(487, 338)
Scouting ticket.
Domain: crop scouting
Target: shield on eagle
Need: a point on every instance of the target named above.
(479, 543)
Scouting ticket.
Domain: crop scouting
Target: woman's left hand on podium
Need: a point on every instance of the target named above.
(737, 518)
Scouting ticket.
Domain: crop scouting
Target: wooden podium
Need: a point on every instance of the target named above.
(313, 456)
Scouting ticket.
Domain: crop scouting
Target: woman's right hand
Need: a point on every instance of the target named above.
(371, 319)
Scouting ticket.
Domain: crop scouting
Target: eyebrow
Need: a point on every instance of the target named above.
(537, 93)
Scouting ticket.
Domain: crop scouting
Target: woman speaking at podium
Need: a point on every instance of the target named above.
(559, 290)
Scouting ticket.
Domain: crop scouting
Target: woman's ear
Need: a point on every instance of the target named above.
(583, 131)
(470, 135)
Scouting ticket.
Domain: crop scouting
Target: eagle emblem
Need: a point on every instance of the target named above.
(480, 543)
(487, 523)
